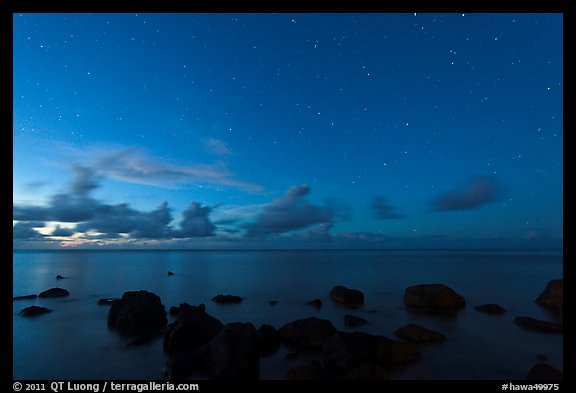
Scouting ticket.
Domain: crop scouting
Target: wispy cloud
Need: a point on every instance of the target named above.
(383, 210)
(477, 192)
(217, 146)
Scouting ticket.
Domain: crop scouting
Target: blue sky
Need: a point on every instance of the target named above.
(288, 130)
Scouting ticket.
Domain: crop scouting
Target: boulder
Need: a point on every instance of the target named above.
(539, 325)
(232, 355)
(436, 297)
(490, 309)
(345, 295)
(59, 277)
(273, 302)
(368, 372)
(193, 328)
(268, 339)
(552, 297)
(170, 273)
(316, 303)
(308, 372)
(354, 321)
(107, 301)
(137, 311)
(227, 299)
(419, 334)
(544, 372)
(307, 333)
(24, 297)
(343, 352)
(34, 311)
(54, 292)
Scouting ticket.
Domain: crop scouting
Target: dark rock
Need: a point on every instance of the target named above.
(59, 277)
(544, 372)
(25, 297)
(193, 328)
(539, 325)
(227, 299)
(107, 301)
(268, 339)
(307, 373)
(552, 297)
(541, 357)
(433, 297)
(141, 340)
(232, 355)
(419, 334)
(368, 372)
(307, 333)
(344, 352)
(174, 310)
(273, 302)
(292, 356)
(316, 303)
(34, 311)
(354, 321)
(347, 296)
(170, 273)
(54, 292)
(490, 309)
(137, 311)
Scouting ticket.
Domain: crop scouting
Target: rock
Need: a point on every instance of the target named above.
(170, 273)
(59, 277)
(174, 311)
(544, 372)
(307, 373)
(552, 297)
(25, 297)
(107, 301)
(419, 334)
(232, 355)
(316, 303)
(368, 372)
(141, 340)
(292, 356)
(541, 357)
(54, 292)
(346, 296)
(193, 328)
(354, 321)
(34, 311)
(307, 333)
(273, 302)
(539, 325)
(437, 297)
(227, 299)
(268, 339)
(137, 311)
(490, 309)
(344, 352)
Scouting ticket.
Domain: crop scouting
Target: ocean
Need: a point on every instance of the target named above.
(74, 341)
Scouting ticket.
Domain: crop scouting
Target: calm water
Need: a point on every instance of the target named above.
(73, 342)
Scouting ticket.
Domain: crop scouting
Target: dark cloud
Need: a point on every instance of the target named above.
(64, 232)
(288, 213)
(477, 192)
(23, 230)
(196, 222)
(383, 210)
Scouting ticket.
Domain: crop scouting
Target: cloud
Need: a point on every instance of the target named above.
(383, 210)
(217, 146)
(63, 232)
(196, 222)
(24, 230)
(288, 213)
(477, 192)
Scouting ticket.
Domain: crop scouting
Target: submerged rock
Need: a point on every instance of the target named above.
(107, 301)
(193, 328)
(170, 273)
(24, 297)
(437, 297)
(273, 302)
(316, 303)
(54, 292)
(419, 334)
(268, 339)
(137, 311)
(227, 299)
(344, 352)
(539, 325)
(59, 277)
(307, 333)
(34, 311)
(354, 321)
(346, 295)
(543, 372)
(552, 296)
(490, 309)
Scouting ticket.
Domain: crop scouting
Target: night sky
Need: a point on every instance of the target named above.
(288, 131)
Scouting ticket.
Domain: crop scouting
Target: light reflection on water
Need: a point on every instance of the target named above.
(73, 342)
